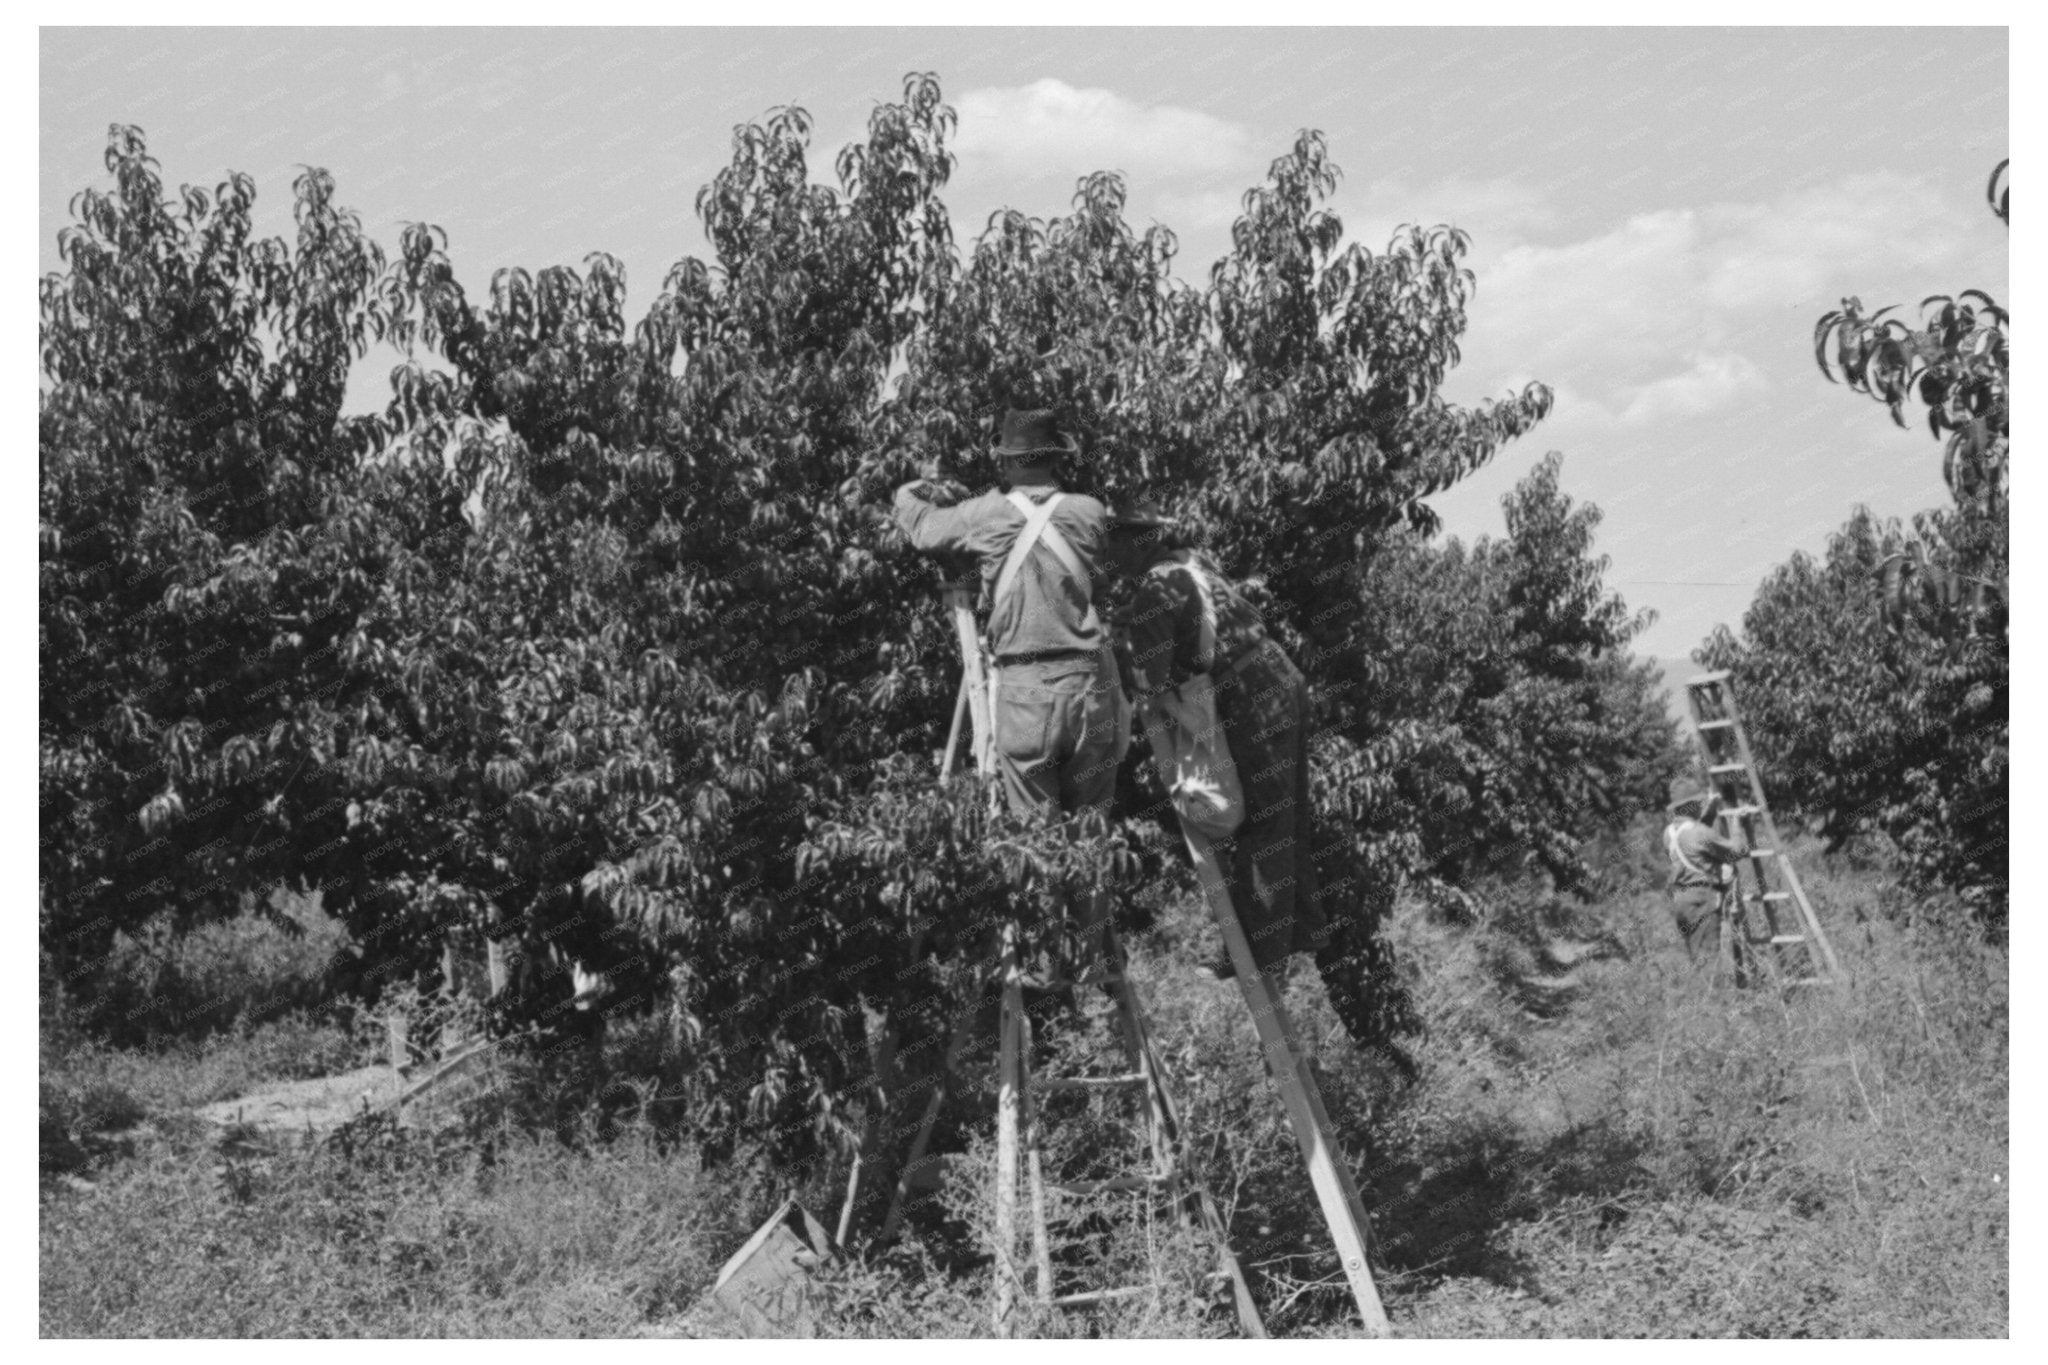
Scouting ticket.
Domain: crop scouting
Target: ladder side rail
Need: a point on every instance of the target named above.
(1769, 871)
(1760, 873)
(1343, 1210)
(961, 602)
(1161, 1126)
(881, 1099)
(1820, 952)
(956, 1047)
(882, 1087)
(960, 708)
(1190, 1195)
(1008, 1082)
(1699, 736)
(1816, 937)
(1034, 1164)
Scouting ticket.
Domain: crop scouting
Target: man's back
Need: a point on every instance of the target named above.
(1046, 611)
(1696, 852)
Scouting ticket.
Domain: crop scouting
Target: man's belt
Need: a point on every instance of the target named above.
(1046, 656)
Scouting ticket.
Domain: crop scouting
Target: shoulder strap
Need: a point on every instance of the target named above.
(1037, 520)
(1038, 528)
(1677, 853)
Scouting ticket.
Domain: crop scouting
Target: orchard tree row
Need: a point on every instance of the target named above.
(1878, 678)
(597, 640)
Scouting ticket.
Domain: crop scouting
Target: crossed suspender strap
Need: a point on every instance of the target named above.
(1672, 846)
(1038, 527)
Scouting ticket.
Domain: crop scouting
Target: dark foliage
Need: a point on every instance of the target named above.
(598, 642)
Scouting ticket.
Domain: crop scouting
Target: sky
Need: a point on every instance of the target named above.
(1657, 217)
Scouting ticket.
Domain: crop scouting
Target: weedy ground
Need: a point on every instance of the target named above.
(1601, 1143)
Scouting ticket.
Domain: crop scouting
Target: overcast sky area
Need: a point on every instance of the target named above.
(1658, 217)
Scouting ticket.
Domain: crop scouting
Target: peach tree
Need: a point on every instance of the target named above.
(209, 533)
(1880, 675)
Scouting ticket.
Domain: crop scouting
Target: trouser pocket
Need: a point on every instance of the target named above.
(1025, 717)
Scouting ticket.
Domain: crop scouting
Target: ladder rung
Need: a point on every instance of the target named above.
(1780, 940)
(1720, 768)
(1115, 1185)
(1098, 1295)
(1090, 1082)
(1716, 724)
(1775, 896)
(1761, 853)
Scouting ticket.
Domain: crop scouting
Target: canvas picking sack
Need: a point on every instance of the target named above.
(1188, 745)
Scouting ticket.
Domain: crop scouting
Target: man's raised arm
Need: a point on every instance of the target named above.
(934, 527)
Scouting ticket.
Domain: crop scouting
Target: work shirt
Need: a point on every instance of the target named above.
(1704, 849)
(1046, 611)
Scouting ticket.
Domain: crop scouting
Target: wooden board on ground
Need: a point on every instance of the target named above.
(317, 1106)
(766, 1289)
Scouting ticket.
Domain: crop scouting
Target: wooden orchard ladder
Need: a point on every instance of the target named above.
(1755, 917)
(1019, 1130)
(974, 697)
(1343, 1210)
(1021, 1181)
(1019, 1149)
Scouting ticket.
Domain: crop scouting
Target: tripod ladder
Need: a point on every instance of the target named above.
(1017, 1105)
(1772, 911)
(1168, 1169)
(1019, 1144)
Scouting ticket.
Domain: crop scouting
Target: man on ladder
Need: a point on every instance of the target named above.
(1061, 726)
(1059, 718)
(1702, 880)
(1057, 726)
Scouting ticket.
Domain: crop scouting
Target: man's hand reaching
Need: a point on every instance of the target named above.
(938, 490)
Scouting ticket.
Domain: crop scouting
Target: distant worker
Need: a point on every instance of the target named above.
(1061, 724)
(1702, 879)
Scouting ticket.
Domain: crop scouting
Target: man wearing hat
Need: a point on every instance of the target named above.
(1061, 726)
(1702, 871)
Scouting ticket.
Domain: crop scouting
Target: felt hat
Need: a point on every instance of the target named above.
(1034, 431)
(1697, 805)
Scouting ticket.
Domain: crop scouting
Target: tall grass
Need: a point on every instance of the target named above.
(1602, 1143)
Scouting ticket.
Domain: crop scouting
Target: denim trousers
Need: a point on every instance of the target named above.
(1060, 730)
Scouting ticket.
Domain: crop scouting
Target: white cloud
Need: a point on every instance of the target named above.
(1671, 307)
(1826, 239)
(1709, 383)
(1051, 128)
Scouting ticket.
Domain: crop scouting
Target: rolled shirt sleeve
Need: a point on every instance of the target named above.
(934, 529)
